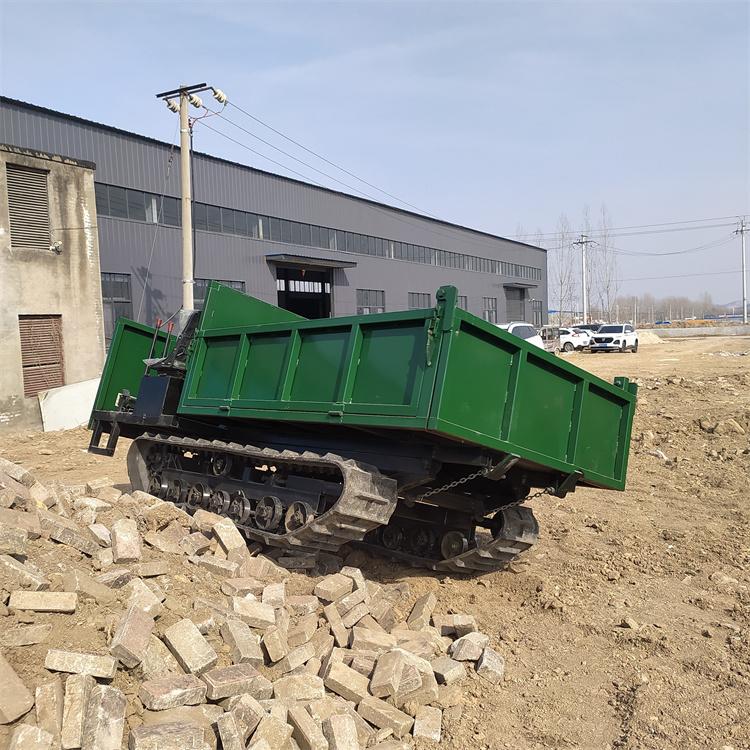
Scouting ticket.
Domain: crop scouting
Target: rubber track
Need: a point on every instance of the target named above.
(367, 501)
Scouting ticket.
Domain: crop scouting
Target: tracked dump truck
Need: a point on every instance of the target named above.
(417, 435)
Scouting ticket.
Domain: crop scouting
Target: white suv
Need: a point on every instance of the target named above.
(574, 338)
(617, 337)
(523, 331)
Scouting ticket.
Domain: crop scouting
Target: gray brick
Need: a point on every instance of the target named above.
(491, 666)
(158, 661)
(195, 544)
(384, 716)
(275, 732)
(363, 639)
(297, 657)
(307, 734)
(204, 520)
(428, 723)
(346, 682)
(100, 534)
(126, 541)
(44, 601)
(25, 636)
(302, 605)
(86, 586)
(49, 707)
(26, 737)
(29, 522)
(225, 682)
(254, 613)
(115, 579)
(469, 647)
(340, 633)
(387, 675)
(190, 648)
(422, 612)
(382, 613)
(78, 689)
(244, 645)
(216, 565)
(171, 692)
(334, 587)
(447, 670)
(228, 535)
(66, 532)
(151, 569)
(249, 712)
(14, 573)
(302, 687)
(104, 722)
(173, 735)
(303, 632)
(274, 595)
(103, 667)
(351, 600)
(276, 645)
(242, 587)
(341, 732)
(231, 732)
(354, 615)
(132, 637)
(141, 596)
(12, 540)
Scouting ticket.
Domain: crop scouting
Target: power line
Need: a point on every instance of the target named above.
(681, 276)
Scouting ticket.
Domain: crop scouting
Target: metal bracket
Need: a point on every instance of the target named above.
(499, 471)
(567, 485)
(114, 434)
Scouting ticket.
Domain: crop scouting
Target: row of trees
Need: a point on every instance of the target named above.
(603, 278)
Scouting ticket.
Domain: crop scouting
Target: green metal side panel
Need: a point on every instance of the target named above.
(124, 368)
(441, 370)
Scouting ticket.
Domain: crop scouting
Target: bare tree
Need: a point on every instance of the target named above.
(562, 268)
(606, 272)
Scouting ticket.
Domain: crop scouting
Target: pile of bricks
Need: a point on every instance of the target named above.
(252, 666)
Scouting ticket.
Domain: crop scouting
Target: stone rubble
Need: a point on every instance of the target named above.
(206, 646)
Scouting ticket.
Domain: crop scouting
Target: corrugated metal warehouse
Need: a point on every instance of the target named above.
(314, 251)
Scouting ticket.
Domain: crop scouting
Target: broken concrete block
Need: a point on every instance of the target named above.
(242, 587)
(274, 595)
(109, 494)
(25, 636)
(354, 615)
(26, 737)
(254, 613)
(126, 541)
(66, 532)
(12, 540)
(150, 569)
(44, 601)
(422, 612)
(86, 586)
(49, 708)
(303, 632)
(158, 661)
(346, 682)
(95, 485)
(204, 520)
(491, 666)
(275, 642)
(249, 712)
(384, 716)
(225, 682)
(231, 732)
(382, 613)
(104, 722)
(302, 687)
(469, 647)
(387, 675)
(141, 596)
(115, 579)
(297, 657)
(171, 692)
(275, 732)
(447, 670)
(351, 600)
(428, 723)
(341, 732)
(29, 522)
(228, 535)
(215, 565)
(307, 734)
(422, 690)
(333, 587)
(103, 667)
(14, 573)
(15, 698)
(364, 639)
(78, 689)
(302, 605)
(190, 648)
(132, 637)
(173, 735)
(244, 645)
(195, 544)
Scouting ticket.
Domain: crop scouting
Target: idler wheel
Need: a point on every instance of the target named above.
(298, 515)
(219, 502)
(269, 513)
(199, 496)
(240, 508)
(453, 543)
(421, 540)
(157, 486)
(176, 491)
(392, 537)
(221, 464)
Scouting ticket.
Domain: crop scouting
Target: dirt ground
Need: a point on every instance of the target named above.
(628, 625)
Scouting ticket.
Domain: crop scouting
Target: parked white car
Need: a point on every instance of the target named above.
(616, 337)
(574, 338)
(523, 331)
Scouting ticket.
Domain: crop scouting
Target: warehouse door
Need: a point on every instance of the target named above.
(304, 292)
(515, 305)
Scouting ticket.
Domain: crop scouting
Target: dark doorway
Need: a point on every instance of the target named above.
(304, 292)
(515, 304)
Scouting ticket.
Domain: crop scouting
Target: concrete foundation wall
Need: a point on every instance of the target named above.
(63, 281)
(675, 333)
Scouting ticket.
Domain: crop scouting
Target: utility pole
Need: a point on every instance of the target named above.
(188, 95)
(635, 312)
(584, 291)
(741, 231)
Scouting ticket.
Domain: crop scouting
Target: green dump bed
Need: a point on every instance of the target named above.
(441, 370)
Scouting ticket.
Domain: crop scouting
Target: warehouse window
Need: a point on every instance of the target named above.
(462, 302)
(489, 309)
(370, 301)
(116, 299)
(536, 311)
(419, 301)
(41, 353)
(28, 206)
(201, 287)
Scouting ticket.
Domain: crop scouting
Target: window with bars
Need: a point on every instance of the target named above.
(370, 301)
(462, 302)
(536, 311)
(419, 301)
(489, 309)
(28, 206)
(201, 287)
(117, 300)
(41, 353)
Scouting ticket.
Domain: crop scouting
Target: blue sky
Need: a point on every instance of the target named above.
(500, 116)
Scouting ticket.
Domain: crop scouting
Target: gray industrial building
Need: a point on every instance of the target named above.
(315, 251)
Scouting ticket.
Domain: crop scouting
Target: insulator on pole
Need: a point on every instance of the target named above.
(220, 96)
(196, 101)
(172, 105)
